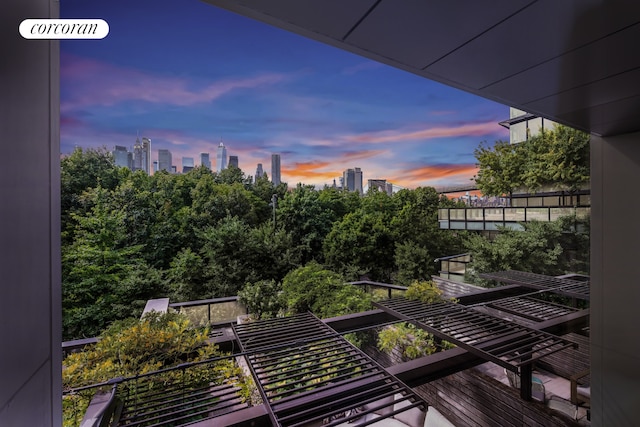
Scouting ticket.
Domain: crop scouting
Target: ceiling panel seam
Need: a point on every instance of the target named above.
(553, 58)
(362, 18)
(479, 34)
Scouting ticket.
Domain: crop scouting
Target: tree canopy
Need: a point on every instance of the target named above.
(558, 157)
(129, 237)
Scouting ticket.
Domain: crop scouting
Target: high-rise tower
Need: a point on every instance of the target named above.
(164, 160)
(259, 172)
(146, 155)
(233, 161)
(204, 160)
(221, 157)
(352, 180)
(137, 155)
(275, 169)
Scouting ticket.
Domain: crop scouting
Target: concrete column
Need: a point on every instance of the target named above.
(615, 287)
(30, 307)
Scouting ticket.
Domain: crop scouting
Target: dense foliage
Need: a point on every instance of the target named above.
(551, 248)
(405, 339)
(128, 237)
(558, 157)
(134, 347)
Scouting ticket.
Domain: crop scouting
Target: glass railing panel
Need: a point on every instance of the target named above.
(537, 214)
(457, 267)
(583, 212)
(475, 214)
(514, 214)
(443, 214)
(227, 311)
(457, 214)
(556, 213)
(475, 225)
(444, 225)
(457, 225)
(493, 214)
(198, 315)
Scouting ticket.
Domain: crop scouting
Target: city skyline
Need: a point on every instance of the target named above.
(263, 90)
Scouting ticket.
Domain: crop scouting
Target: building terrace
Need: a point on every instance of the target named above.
(307, 374)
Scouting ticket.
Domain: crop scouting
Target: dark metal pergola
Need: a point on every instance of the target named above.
(512, 346)
(530, 308)
(307, 373)
(561, 286)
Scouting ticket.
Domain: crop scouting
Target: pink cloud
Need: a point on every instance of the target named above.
(471, 129)
(91, 82)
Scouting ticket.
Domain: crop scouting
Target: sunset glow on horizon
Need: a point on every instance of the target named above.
(216, 76)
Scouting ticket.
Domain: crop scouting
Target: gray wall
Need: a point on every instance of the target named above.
(30, 325)
(615, 291)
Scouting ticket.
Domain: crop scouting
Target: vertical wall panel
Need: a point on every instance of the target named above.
(615, 294)
(30, 329)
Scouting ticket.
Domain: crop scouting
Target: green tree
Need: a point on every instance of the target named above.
(499, 169)
(323, 292)
(262, 298)
(540, 248)
(103, 278)
(418, 237)
(132, 347)
(558, 157)
(79, 172)
(362, 242)
(303, 215)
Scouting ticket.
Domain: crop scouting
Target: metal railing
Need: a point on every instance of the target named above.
(490, 218)
(173, 396)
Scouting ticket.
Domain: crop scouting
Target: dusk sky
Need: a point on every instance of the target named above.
(187, 74)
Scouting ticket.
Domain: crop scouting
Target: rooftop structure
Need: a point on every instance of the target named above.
(307, 374)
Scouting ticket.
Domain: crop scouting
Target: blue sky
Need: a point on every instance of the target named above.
(187, 74)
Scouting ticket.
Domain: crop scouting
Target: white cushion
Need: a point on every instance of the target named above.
(435, 419)
(412, 417)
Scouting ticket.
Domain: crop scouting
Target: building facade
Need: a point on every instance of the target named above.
(352, 180)
(233, 161)
(275, 169)
(205, 161)
(164, 160)
(259, 172)
(122, 157)
(221, 158)
(187, 164)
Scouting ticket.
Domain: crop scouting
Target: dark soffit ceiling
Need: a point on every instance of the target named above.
(573, 61)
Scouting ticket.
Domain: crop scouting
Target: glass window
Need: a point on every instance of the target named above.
(518, 132)
(534, 126)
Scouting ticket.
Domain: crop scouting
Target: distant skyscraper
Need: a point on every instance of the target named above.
(358, 180)
(146, 155)
(233, 161)
(204, 160)
(352, 180)
(121, 156)
(275, 169)
(137, 155)
(221, 157)
(259, 172)
(164, 160)
(155, 166)
(187, 164)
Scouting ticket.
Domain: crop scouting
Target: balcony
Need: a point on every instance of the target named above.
(491, 218)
